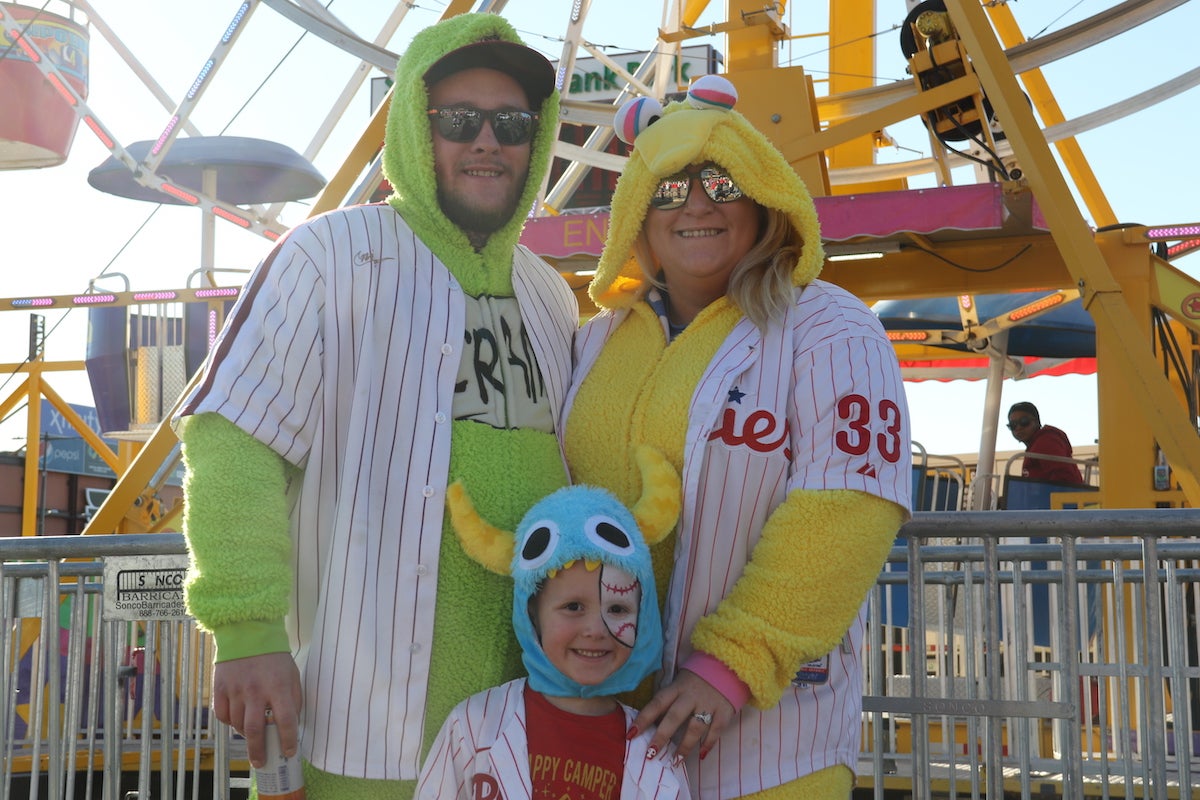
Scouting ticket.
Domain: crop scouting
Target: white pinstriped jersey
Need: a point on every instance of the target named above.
(341, 356)
(815, 403)
(482, 752)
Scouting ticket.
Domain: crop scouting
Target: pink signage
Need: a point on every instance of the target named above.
(975, 207)
(566, 235)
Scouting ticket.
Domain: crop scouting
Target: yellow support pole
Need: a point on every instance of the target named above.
(1046, 104)
(754, 45)
(89, 436)
(33, 428)
(1129, 354)
(851, 69)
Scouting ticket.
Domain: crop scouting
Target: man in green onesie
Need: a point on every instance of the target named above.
(378, 354)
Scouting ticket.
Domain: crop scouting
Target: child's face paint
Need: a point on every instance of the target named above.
(587, 620)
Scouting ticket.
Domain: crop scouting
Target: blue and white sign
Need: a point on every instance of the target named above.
(63, 448)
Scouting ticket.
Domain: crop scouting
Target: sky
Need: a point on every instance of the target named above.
(58, 234)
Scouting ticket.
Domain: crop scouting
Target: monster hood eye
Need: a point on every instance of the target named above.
(607, 534)
(539, 544)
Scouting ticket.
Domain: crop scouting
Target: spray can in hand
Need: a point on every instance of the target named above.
(279, 778)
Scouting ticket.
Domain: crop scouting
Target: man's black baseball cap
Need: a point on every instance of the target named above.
(526, 66)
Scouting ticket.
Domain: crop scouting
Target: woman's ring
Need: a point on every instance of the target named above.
(703, 716)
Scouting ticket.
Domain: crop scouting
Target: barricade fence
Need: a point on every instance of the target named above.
(1033, 654)
(106, 685)
(1008, 654)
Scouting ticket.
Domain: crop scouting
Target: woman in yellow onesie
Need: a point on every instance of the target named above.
(779, 400)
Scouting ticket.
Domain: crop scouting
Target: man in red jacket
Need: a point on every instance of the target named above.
(1027, 428)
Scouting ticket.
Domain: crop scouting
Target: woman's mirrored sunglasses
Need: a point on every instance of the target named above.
(463, 123)
(672, 191)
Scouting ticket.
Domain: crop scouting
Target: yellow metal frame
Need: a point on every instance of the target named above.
(1117, 276)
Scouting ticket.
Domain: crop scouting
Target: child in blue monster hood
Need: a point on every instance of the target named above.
(586, 614)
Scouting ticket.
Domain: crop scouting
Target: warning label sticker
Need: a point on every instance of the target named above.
(144, 587)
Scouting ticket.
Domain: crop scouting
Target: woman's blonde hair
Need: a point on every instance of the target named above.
(761, 282)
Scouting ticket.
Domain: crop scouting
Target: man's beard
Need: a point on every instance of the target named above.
(476, 220)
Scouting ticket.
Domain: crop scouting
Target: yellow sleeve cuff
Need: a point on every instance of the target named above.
(820, 553)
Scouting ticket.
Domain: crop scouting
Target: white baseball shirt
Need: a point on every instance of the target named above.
(341, 356)
(815, 403)
(484, 742)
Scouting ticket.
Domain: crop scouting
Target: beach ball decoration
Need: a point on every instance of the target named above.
(635, 116)
(712, 91)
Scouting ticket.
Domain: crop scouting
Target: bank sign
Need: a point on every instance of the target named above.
(595, 81)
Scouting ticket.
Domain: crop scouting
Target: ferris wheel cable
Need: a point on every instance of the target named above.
(1054, 133)
(13, 43)
(1029, 55)
(586, 113)
(1081, 35)
(156, 90)
(103, 272)
(1130, 105)
(263, 82)
(1047, 26)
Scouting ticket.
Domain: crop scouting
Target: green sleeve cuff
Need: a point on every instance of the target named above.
(250, 638)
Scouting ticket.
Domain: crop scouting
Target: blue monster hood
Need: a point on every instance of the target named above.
(590, 524)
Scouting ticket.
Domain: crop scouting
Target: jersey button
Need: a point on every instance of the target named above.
(447, 348)
(427, 491)
(415, 647)
(422, 569)
(439, 418)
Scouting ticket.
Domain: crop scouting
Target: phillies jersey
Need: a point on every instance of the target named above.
(482, 753)
(815, 402)
(342, 356)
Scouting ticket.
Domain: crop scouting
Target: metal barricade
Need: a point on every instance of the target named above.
(996, 666)
(105, 689)
(1066, 666)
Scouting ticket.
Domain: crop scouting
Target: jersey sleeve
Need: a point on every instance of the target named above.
(850, 489)
(265, 371)
(237, 530)
(445, 770)
(849, 420)
(819, 554)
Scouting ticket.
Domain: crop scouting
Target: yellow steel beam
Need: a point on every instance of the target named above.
(45, 366)
(1047, 105)
(89, 436)
(754, 40)
(33, 427)
(852, 68)
(952, 268)
(1119, 336)
(18, 394)
(1176, 293)
(456, 7)
(692, 10)
(364, 150)
(855, 127)
(143, 466)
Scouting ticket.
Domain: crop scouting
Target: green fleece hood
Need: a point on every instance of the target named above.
(408, 158)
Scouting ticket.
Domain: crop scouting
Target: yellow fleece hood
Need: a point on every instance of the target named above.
(665, 141)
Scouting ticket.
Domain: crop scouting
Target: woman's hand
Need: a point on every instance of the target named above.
(680, 710)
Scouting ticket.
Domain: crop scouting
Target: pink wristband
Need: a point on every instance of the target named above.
(714, 672)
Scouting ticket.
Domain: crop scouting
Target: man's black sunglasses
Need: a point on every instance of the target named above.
(463, 123)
